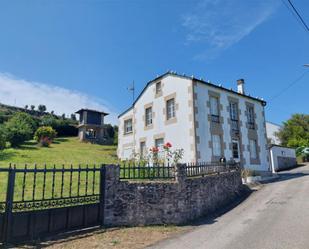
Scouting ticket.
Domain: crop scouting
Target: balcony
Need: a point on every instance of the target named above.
(251, 125)
(215, 118)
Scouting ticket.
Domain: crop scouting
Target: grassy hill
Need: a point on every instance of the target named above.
(65, 150)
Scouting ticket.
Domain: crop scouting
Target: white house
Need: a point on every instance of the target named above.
(282, 157)
(271, 130)
(206, 120)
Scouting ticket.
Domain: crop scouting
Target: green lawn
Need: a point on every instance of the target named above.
(67, 150)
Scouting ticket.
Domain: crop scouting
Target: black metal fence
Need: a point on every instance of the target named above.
(206, 168)
(146, 171)
(137, 171)
(39, 201)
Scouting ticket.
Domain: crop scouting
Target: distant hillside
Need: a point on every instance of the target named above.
(6, 111)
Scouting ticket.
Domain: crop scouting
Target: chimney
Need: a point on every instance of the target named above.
(240, 86)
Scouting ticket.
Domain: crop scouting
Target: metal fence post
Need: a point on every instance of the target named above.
(9, 204)
(102, 193)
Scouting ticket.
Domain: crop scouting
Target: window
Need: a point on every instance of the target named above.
(235, 149)
(170, 107)
(142, 149)
(90, 133)
(253, 152)
(148, 116)
(250, 115)
(128, 126)
(214, 109)
(216, 145)
(158, 88)
(159, 143)
(234, 115)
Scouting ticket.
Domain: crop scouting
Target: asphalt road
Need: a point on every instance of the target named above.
(274, 217)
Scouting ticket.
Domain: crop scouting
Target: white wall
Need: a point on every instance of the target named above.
(271, 130)
(203, 130)
(276, 151)
(177, 134)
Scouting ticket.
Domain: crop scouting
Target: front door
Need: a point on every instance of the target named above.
(235, 150)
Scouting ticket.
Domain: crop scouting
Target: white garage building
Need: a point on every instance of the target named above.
(282, 157)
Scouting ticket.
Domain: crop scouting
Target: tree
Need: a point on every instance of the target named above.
(295, 131)
(32, 107)
(42, 108)
(63, 116)
(73, 116)
(19, 128)
(26, 107)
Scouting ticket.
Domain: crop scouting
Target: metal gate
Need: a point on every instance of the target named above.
(45, 201)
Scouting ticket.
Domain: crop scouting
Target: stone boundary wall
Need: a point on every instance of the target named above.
(134, 203)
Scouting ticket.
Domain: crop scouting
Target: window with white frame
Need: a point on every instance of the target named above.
(234, 115)
(159, 143)
(142, 149)
(148, 116)
(233, 111)
(158, 87)
(128, 126)
(250, 116)
(216, 145)
(214, 109)
(253, 149)
(170, 109)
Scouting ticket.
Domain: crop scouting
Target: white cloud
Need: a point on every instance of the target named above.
(219, 23)
(22, 92)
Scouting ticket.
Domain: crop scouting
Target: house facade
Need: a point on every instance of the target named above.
(206, 120)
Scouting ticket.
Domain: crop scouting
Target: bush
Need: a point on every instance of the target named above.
(44, 135)
(2, 139)
(19, 128)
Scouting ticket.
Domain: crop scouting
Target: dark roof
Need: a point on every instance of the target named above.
(90, 110)
(194, 79)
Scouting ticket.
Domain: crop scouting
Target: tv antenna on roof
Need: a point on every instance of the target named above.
(132, 89)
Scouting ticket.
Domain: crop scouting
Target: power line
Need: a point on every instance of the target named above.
(288, 87)
(296, 14)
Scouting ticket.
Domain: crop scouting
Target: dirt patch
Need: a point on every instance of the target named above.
(115, 238)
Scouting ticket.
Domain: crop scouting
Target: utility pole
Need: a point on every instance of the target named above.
(132, 88)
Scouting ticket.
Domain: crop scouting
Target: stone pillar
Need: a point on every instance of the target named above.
(180, 173)
(109, 186)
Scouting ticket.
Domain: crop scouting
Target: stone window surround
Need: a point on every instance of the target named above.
(233, 134)
(157, 95)
(174, 119)
(192, 118)
(216, 128)
(220, 106)
(146, 106)
(253, 135)
(249, 104)
(158, 136)
(124, 120)
(142, 140)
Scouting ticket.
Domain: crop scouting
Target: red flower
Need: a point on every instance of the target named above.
(167, 145)
(154, 149)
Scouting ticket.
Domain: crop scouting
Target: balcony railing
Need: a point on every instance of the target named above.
(251, 125)
(215, 118)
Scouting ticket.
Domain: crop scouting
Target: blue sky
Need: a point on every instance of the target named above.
(71, 54)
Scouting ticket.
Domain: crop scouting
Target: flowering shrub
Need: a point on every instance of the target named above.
(44, 135)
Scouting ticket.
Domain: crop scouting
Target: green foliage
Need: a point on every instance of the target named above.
(2, 138)
(42, 108)
(63, 127)
(19, 128)
(295, 132)
(45, 133)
